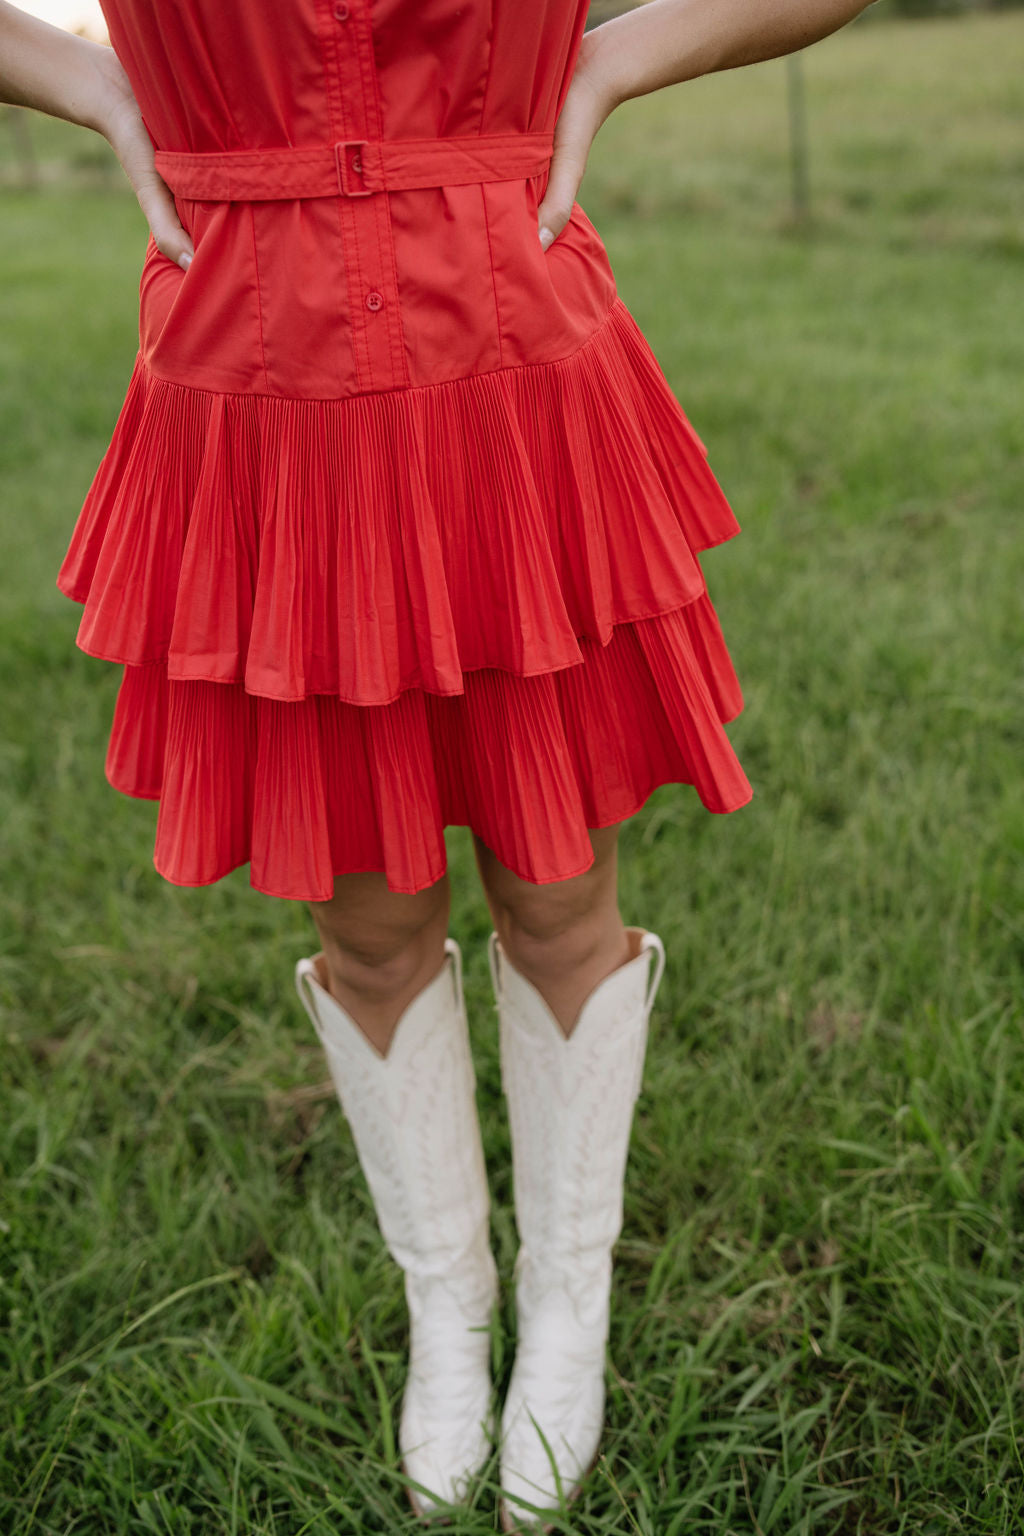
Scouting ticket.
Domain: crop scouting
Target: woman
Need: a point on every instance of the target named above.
(397, 530)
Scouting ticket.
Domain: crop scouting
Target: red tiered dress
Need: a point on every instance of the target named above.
(398, 525)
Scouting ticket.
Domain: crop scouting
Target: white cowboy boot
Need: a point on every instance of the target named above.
(570, 1106)
(414, 1121)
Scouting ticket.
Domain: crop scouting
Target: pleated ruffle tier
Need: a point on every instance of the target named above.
(346, 624)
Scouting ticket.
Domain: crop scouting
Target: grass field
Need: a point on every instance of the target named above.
(818, 1317)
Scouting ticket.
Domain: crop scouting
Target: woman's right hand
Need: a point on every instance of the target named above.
(50, 70)
(120, 122)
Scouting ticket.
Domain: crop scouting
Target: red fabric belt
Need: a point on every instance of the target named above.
(354, 167)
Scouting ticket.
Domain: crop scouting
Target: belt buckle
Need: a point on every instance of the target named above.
(351, 173)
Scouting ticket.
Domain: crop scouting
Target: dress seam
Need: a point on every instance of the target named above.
(259, 303)
(463, 378)
(487, 77)
(494, 282)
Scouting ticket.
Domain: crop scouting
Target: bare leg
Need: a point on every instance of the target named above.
(564, 937)
(381, 947)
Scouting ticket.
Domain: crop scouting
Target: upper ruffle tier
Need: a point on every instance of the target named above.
(364, 546)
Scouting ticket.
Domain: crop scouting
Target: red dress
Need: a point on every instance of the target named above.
(398, 525)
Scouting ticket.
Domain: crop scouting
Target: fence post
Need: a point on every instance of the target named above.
(798, 151)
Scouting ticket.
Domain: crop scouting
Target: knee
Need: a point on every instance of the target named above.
(551, 928)
(559, 925)
(378, 947)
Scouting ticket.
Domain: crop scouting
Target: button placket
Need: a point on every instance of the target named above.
(364, 211)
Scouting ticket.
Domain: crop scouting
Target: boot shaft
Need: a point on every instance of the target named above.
(412, 1113)
(571, 1102)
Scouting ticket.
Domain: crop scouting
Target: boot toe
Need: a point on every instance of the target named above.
(445, 1457)
(573, 1435)
(442, 1484)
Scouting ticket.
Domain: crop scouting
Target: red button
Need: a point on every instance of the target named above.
(357, 164)
(341, 13)
(374, 300)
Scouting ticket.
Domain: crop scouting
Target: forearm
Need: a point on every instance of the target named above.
(666, 41)
(53, 71)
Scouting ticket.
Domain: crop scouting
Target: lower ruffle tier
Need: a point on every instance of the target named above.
(308, 790)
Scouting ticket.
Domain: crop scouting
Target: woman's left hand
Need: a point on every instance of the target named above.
(587, 103)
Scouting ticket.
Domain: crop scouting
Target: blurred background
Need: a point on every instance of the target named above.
(818, 1316)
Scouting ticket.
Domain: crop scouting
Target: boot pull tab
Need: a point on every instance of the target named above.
(652, 941)
(494, 965)
(494, 962)
(452, 948)
(304, 976)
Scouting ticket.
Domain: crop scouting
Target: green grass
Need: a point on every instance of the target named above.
(817, 1320)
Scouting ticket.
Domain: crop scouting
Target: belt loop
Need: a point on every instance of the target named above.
(351, 173)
